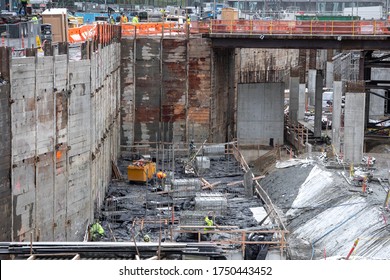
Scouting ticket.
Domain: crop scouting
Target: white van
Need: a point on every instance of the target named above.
(179, 20)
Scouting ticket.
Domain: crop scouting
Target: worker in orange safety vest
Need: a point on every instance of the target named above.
(161, 179)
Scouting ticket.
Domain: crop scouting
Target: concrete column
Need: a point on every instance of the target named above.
(311, 78)
(311, 86)
(336, 114)
(354, 125)
(294, 96)
(302, 84)
(377, 104)
(318, 104)
(301, 101)
(329, 74)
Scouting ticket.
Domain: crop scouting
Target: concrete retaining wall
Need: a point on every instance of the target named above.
(5, 166)
(166, 86)
(65, 132)
(223, 96)
(260, 114)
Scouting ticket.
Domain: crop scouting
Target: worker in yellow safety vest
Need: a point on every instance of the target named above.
(135, 19)
(209, 222)
(96, 231)
(34, 19)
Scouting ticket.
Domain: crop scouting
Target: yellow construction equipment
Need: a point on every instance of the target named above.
(141, 171)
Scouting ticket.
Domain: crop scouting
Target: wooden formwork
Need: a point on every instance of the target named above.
(269, 207)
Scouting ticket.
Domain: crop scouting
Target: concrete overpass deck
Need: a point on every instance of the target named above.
(294, 41)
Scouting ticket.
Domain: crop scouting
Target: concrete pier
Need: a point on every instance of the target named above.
(311, 86)
(354, 122)
(294, 95)
(336, 115)
(318, 104)
(301, 101)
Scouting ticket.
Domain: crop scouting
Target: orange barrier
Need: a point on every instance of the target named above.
(146, 28)
(81, 34)
(306, 27)
(105, 32)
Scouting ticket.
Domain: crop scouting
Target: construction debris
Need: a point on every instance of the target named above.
(115, 171)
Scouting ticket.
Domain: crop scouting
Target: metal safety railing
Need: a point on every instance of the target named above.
(24, 34)
(19, 35)
(300, 27)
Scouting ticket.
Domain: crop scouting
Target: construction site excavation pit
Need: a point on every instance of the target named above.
(196, 187)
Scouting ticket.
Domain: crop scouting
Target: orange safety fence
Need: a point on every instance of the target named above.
(102, 32)
(105, 31)
(307, 27)
(146, 28)
(81, 34)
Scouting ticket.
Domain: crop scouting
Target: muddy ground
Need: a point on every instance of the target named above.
(127, 202)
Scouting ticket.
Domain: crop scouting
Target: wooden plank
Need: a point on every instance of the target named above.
(240, 182)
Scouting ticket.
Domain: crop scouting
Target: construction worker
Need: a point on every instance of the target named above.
(34, 19)
(112, 20)
(163, 13)
(96, 231)
(161, 179)
(124, 18)
(192, 148)
(35, 27)
(135, 19)
(209, 222)
(146, 238)
(23, 7)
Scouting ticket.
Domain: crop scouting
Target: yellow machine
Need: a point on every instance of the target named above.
(141, 171)
(74, 21)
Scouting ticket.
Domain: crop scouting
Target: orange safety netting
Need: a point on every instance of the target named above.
(298, 27)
